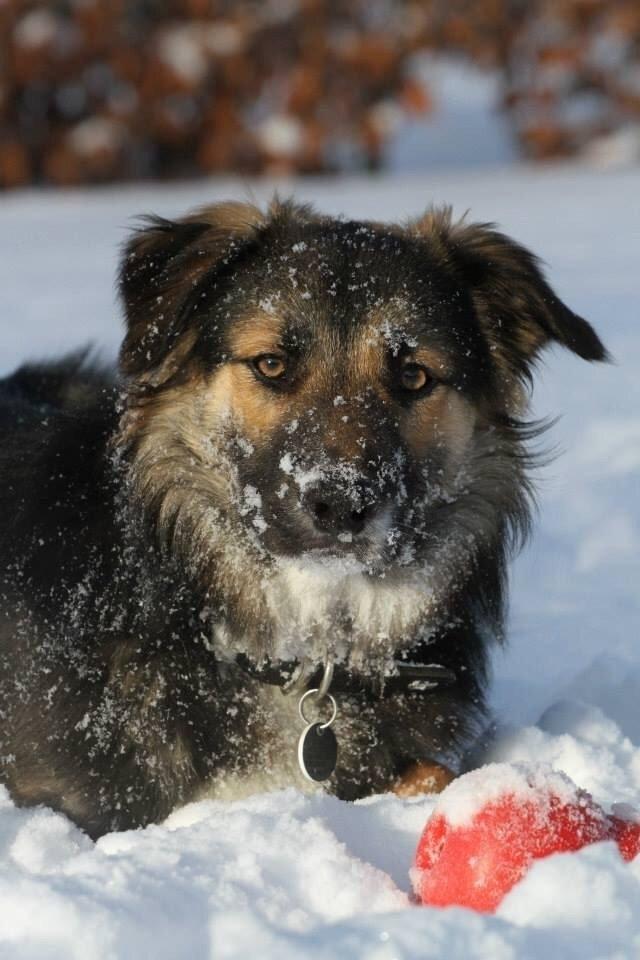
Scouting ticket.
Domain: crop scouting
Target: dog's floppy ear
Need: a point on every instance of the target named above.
(516, 307)
(161, 264)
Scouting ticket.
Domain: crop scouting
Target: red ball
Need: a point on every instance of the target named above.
(626, 833)
(484, 835)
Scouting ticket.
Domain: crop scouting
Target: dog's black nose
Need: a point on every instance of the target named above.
(335, 511)
(337, 519)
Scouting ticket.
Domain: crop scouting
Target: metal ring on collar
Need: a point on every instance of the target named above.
(327, 677)
(334, 707)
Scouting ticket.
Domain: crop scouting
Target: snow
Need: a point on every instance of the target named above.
(252, 503)
(286, 875)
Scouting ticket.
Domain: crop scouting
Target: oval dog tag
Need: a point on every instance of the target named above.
(317, 752)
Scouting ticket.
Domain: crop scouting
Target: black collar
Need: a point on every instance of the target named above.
(407, 675)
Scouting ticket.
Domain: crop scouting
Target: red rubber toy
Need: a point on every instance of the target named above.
(490, 825)
(625, 823)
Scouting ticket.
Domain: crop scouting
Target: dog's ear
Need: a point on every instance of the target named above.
(161, 264)
(516, 307)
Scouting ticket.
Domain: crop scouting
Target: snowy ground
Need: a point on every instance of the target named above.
(286, 876)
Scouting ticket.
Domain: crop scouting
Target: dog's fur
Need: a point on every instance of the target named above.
(156, 527)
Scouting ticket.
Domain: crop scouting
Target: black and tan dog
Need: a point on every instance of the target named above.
(316, 452)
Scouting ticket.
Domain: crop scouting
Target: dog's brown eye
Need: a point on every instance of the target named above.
(270, 366)
(414, 377)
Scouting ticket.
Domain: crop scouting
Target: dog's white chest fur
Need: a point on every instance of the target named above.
(333, 606)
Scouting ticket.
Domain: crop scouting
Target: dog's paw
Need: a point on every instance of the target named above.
(423, 777)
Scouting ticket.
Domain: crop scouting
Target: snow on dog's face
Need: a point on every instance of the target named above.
(322, 415)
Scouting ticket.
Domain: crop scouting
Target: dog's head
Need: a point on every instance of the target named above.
(333, 405)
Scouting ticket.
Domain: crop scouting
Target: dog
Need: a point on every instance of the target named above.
(308, 475)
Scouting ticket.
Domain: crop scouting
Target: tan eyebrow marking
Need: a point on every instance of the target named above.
(255, 334)
(387, 330)
(433, 360)
(381, 335)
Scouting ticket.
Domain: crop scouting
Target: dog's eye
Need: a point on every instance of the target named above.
(414, 377)
(270, 366)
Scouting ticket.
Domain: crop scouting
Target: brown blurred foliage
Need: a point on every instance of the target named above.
(573, 74)
(99, 90)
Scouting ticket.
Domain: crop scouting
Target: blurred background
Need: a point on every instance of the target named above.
(98, 91)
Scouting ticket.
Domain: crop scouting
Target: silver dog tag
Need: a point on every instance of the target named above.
(317, 752)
